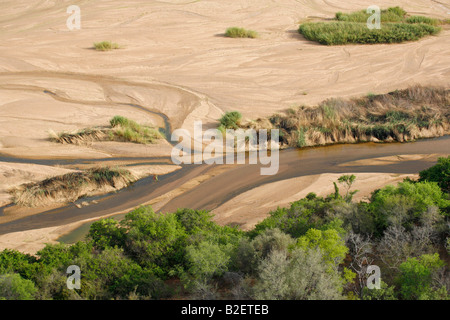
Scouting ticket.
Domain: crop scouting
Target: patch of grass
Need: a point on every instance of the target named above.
(422, 19)
(394, 14)
(396, 27)
(130, 130)
(122, 129)
(106, 46)
(339, 33)
(71, 186)
(235, 32)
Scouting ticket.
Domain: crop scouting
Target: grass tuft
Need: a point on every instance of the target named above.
(106, 46)
(235, 32)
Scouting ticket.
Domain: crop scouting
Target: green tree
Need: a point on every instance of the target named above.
(107, 233)
(406, 204)
(416, 278)
(328, 241)
(14, 287)
(207, 260)
(347, 181)
(154, 239)
(299, 275)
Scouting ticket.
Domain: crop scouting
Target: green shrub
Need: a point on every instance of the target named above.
(231, 120)
(130, 130)
(235, 32)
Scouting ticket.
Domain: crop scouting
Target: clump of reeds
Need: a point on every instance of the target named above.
(71, 186)
(401, 115)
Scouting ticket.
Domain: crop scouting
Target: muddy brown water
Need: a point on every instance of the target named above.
(234, 181)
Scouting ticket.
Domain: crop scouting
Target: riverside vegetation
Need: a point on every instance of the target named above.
(71, 186)
(75, 185)
(402, 115)
(396, 26)
(318, 248)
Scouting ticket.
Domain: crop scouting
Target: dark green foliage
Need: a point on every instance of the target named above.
(13, 261)
(439, 173)
(107, 233)
(140, 282)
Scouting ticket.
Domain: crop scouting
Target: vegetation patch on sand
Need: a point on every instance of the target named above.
(401, 115)
(396, 27)
(106, 46)
(235, 32)
(71, 186)
(122, 129)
